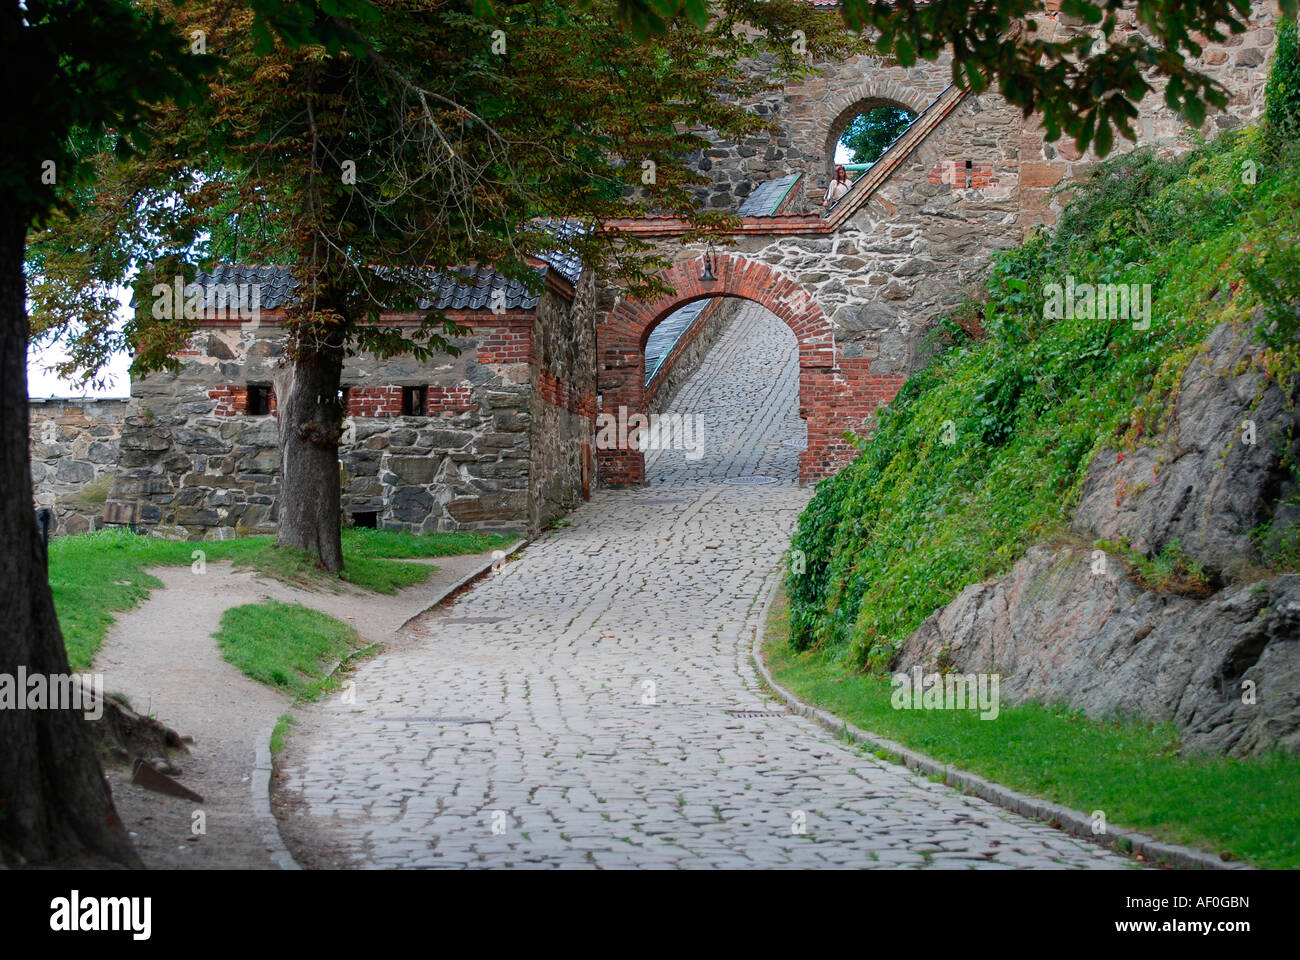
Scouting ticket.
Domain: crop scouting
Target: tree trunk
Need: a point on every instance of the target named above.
(55, 804)
(310, 514)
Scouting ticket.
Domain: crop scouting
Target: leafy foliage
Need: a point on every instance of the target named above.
(1171, 570)
(1282, 92)
(425, 138)
(1066, 79)
(869, 134)
(84, 66)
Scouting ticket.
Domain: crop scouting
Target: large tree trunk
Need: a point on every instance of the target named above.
(55, 804)
(310, 515)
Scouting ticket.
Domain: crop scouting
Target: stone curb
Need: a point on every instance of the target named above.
(1071, 821)
(462, 583)
(263, 766)
(266, 822)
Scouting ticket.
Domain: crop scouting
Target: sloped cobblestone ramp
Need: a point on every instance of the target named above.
(573, 710)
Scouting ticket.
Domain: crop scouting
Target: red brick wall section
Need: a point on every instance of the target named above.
(232, 401)
(506, 345)
(835, 394)
(445, 401)
(375, 402)
(621, 342)
(835, 401)
(561, 394)
(978, 176)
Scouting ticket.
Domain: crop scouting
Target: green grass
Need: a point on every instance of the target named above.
(360, 542)
(280, 732)
(1240, 809)
(286, 645)
(98, 574)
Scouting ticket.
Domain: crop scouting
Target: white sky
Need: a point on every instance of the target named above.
(42, 383)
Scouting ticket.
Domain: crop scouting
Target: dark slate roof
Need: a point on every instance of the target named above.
(663, 337)
(276, 283)
(767, 197)
(468, 289)
(563, 260)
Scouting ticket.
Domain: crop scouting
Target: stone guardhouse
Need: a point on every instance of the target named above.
(497, 437)
(503, 435)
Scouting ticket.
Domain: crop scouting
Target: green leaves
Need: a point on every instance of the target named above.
(1103, 140)
(1282, 92)
(333, 24)
(869, 134)
(1068, 80)
(697, 11)
(89, 66)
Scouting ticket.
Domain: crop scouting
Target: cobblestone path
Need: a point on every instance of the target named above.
(572, 711)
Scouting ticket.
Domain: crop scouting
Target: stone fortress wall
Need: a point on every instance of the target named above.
(812, 115)
(74, 451)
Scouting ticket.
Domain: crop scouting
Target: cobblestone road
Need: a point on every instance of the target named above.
(572, 711)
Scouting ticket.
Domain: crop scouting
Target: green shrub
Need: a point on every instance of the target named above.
(1282, 92)
(1275, 279)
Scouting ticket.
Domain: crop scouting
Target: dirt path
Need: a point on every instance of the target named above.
(163, 658)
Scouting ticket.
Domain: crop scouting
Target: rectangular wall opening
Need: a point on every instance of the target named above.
(259, 399)
(369, 520)
(414, 401)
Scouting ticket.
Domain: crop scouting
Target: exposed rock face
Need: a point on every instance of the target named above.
(1070, 625)
(1203, 483)
(1058, 633)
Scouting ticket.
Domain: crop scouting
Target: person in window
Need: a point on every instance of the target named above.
(839, 186)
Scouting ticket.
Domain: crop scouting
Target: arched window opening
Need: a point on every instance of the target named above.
(868, 134)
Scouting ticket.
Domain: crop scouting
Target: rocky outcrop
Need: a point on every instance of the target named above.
(1225, 670)
(1073, 625)
(1219, 472)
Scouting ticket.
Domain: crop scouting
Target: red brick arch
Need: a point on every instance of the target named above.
(831, 399)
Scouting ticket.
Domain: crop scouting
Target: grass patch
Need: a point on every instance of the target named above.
(94, 575)
(361, 542)
(287, 646)
(1240, 809)
(1169, 571)
(280, 732)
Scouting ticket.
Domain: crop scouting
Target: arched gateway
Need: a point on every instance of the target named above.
(835, 394)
